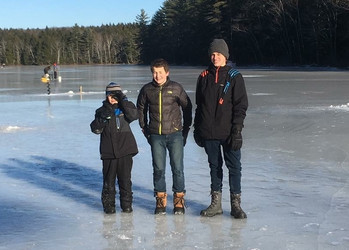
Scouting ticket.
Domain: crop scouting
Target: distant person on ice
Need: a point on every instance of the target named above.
(55, 70)
(117, 147)
(165, 102)
(46, 71)
(222, 103)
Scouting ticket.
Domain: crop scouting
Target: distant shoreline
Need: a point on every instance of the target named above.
(257, 67)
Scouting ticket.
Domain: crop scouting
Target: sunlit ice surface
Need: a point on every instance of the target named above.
(294, 165)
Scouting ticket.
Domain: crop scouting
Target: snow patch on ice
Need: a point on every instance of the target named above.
(262, 94)
(264, 228)
(124, 237)
(7, 89)
(12, 129)
(298, 213)
(71, 93)
(341, 107)
(312, 225)
(253, 76)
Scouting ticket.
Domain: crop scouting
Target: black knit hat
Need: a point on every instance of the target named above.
(112, 88)
(220, 46)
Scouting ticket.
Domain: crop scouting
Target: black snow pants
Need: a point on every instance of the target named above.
(121, 169)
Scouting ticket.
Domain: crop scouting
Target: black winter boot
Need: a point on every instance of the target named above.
(236, 210)
(126, 206)
(108, 201)
(215, 207)
(126, 201)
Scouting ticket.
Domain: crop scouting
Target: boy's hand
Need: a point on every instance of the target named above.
(119, 96)
(146, 133)
(106, 115)
(185, 132)
(235, 139)
(198, 139)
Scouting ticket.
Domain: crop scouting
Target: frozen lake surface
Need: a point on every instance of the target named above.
(295, 184)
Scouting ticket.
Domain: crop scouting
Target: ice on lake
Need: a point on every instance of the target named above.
(295, 187)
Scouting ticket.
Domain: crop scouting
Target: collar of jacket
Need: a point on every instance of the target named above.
(213, 68)
(157, 85)
(218, 70)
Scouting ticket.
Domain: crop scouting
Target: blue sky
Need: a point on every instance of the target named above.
(66, 13)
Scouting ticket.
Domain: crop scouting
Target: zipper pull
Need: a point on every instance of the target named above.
(118, 122)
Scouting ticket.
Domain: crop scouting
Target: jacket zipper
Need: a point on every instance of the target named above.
(160, 110)
(117, 122)
(216, 80)
(117, 119)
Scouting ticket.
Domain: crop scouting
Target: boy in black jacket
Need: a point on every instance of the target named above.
(117, 146)
(222, 103)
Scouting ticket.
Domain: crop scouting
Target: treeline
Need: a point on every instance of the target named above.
(265, 32)
(77, 45)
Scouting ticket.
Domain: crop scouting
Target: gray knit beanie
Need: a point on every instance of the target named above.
(220, 46)
(112, 88)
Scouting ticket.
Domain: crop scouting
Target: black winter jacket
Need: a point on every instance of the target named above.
(164, 104)
(216, 112)
(117, 139)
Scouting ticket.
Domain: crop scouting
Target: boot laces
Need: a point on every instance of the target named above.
(214, 201)
(160, 202)
(179, 202)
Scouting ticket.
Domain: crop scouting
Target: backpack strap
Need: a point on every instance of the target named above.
(231, 74)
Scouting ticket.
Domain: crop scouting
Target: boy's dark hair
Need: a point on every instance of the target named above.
(158, 63)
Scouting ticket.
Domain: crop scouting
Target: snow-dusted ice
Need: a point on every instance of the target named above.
(295, 185)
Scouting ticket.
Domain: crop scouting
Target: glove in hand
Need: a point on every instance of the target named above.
(106, 115)
(146, 133)
(198, 139)
(185, 132)
(119, 96)
(235, 139)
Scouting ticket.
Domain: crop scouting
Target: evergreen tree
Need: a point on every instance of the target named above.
(267, 32)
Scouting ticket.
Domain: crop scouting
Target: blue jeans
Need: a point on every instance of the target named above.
(174, 144)
(232, 158)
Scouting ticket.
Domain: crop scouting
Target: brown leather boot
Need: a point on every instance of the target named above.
(178, 203)
(161, 202)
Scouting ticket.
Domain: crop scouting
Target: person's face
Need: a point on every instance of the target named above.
(112, 100)
(218, 59)
(160, 75)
